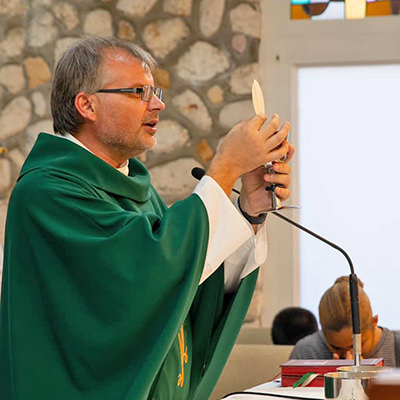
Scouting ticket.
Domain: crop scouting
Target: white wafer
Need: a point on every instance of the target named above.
(258, 98)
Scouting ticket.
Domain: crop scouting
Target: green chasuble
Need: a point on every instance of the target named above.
(100, 293)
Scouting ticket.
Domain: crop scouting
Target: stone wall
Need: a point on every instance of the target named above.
(207, 52)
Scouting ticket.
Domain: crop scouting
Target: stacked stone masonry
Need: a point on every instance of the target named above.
(207, 54)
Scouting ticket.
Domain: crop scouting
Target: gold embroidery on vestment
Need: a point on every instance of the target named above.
(184, 356)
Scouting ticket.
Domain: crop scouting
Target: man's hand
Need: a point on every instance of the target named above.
(247, 146)
(254, 199)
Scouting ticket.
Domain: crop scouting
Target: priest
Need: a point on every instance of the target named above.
(107, 293)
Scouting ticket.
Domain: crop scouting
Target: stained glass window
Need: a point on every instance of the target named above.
(343, 9)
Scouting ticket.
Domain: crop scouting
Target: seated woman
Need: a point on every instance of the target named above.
(336, 340)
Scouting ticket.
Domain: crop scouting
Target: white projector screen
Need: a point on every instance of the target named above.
(349, 181)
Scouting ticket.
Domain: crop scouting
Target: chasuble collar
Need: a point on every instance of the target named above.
(53, 153)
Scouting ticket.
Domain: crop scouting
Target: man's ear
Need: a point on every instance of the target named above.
(85, 105)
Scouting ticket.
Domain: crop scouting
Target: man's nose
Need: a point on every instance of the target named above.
(156, 104)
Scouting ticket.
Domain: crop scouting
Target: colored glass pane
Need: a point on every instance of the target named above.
(395, 7)
(299, 13)
(355, 9)
(335, 10)
(332, 9)
(379, 8)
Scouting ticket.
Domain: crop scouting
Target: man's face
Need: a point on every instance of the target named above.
(125, 124)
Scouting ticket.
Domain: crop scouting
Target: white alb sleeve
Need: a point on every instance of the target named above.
(246, 258)
(231, 237)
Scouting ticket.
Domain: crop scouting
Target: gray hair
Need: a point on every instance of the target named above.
(79, 70)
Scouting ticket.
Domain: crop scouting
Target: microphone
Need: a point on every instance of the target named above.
(198, 173)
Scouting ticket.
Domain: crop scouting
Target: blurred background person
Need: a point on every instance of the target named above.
(291, 324)
(335, 340)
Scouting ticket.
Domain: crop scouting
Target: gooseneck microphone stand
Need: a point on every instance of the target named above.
(198, 173)
(355, 305)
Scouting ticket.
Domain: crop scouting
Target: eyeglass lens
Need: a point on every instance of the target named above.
(148, 91)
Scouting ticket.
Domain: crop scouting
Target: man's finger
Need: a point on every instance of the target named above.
(281, 179)
(271, 128)
(257, 121)
(282, 193)
(290, 153)
(280, 167)
(277, 137)
(279, 151)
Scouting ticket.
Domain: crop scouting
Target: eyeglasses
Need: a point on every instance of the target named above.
(146, 92)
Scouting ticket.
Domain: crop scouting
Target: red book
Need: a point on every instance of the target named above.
(293, 370)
